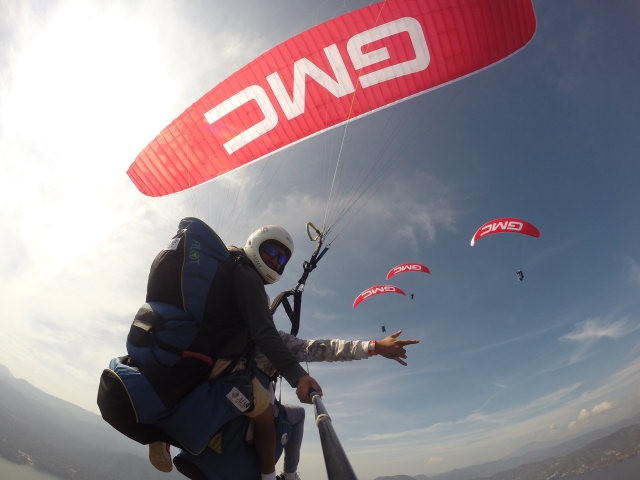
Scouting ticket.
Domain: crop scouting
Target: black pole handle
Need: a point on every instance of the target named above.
(335, 458)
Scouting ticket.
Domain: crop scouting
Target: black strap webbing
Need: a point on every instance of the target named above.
(292, 313)
(283, 298)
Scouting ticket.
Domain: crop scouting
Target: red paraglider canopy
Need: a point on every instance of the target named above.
(407, 267)
(377, 290)
(505, 225)
(347, 67)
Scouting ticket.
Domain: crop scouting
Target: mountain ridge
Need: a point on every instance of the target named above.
(598, 455)
(59, 438)
(619, 451)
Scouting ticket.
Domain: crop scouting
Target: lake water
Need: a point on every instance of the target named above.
(13, 471)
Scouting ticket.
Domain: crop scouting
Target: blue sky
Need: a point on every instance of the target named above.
(549, 135)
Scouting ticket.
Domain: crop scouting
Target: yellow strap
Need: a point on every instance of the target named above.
(215, 443)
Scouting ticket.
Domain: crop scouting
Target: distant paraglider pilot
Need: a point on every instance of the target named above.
(412, 296)
(520, 275)
(384, 329)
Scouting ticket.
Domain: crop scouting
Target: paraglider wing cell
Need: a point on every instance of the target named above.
(377, 290)
(505, 225)
(407, 267)
(347, 67)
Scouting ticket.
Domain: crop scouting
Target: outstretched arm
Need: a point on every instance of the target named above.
(344, 350)
(393, 348)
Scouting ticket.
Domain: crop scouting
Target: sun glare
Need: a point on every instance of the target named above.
(84, 94)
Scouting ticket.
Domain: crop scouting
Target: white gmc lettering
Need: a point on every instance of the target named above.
(403, 268)
(361, 60)
(304, 67)
(373, 291)
(510, 226)
(254, 92)
(515, 226)
(294, 105)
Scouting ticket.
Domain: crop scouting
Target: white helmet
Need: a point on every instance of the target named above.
(276, 235)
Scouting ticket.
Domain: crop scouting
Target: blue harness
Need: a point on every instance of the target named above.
(161, 391)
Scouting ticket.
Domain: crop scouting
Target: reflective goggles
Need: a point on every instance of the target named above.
(273, 252)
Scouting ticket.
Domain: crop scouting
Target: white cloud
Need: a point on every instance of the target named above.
(594, 329)
(634, 270)
(478, 420)
(322, 291)
(585, 414)
(603, 407)
(406, 214)
(485, 432)
(586, 333)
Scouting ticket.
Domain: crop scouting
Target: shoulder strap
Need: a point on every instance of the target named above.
(292, 313)
(296, 292)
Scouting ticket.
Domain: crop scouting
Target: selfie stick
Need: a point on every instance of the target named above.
(335, 458)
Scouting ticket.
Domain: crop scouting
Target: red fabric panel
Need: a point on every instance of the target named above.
(505, 225)
(407, 267)
(461, 37)
(377, 290)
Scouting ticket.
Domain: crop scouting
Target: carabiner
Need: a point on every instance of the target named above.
(309, 224)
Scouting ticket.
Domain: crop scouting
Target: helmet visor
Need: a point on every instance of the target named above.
(272, 251)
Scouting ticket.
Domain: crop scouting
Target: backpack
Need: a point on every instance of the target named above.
(160, 390)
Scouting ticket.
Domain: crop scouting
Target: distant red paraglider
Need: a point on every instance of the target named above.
(505, 225)
(376, 290)
(407, 267)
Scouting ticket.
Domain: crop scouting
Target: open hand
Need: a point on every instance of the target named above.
(393, 348)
